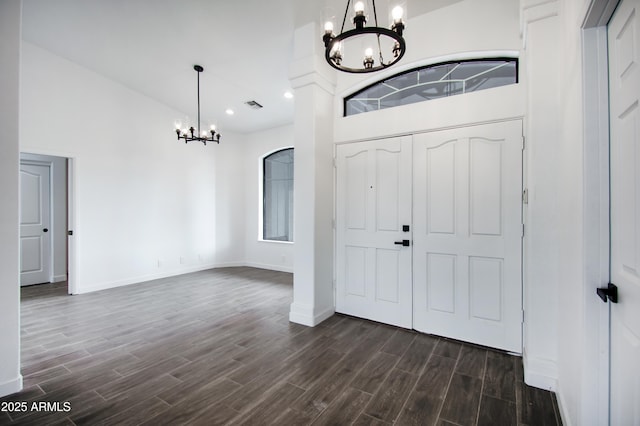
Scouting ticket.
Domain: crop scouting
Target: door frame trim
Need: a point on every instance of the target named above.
(595, 402)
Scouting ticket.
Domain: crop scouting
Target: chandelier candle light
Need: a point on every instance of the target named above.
(193, 134)
(334, 43)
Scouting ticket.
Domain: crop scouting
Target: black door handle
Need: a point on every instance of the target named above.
(609, 292)
(45, 230)
(404, 243)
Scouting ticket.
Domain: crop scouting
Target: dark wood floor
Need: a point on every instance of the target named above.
(216, 347)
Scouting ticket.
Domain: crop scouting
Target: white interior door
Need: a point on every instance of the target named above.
(373, 203)
(624, 89)
(467, 253)
(35, 238)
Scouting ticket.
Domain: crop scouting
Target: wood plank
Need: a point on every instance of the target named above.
(137, 414)
(415, 358)
(345, 409)
(273, 405)
(448, 348)
(537, 407)
(472, 361)
(133, 382)
(500, 379)
(374, 373)
(365, 420)
(494, 411)
(387, 403)
(218, 414)
(306, 376)
(252, 393)
(425, 401)
(462, 400)
(191, 407)
(399, 342)
(318, 398)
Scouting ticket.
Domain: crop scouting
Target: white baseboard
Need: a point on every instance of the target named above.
(280, 268)
(227, 265)
(12, 386)
(304, 314)
(59, 278)
(540, 373)
(174, 272)
(150, 277)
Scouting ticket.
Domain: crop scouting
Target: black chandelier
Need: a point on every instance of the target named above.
(193, 134)
(334, 47)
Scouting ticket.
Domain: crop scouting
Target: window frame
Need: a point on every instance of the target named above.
(261, 195)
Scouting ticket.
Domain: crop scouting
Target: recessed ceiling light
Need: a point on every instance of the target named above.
(229, 111)
(288, 95)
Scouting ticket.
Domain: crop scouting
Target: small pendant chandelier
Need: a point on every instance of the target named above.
(194, 134)
(334, 43)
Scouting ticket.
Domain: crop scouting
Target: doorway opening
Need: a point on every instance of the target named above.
(429, 232)
(45, 220)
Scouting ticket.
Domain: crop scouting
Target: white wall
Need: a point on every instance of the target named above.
(146, 205)
(263, 254)
(58, 212)
(486, 27)
(10, 17)
(582, 245)
(466, 26)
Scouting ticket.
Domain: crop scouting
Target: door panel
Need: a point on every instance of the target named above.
(35, 243)
(624, 89)
(467, 234)
(373, 202)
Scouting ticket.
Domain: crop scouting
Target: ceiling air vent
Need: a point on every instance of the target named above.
(253, 104)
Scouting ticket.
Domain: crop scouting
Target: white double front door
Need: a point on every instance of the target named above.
(454, 199)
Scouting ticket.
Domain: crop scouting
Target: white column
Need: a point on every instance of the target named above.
(540, 62)
(10, 18)
(313, 82)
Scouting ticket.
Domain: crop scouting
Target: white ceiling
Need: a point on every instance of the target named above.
(150, 46)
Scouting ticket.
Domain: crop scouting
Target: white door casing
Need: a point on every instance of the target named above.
(35, 242)
(467, 253)
(624, 92)
(373, 202)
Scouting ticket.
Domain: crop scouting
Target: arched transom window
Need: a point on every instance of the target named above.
(433, 82)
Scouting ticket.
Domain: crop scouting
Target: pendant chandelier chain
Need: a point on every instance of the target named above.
(198, 88)
(346, 11)
(375, 18)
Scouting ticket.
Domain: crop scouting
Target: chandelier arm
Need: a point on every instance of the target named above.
(345, 16)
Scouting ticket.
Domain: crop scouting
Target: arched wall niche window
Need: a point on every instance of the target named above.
(277, 196)
(432, 82)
